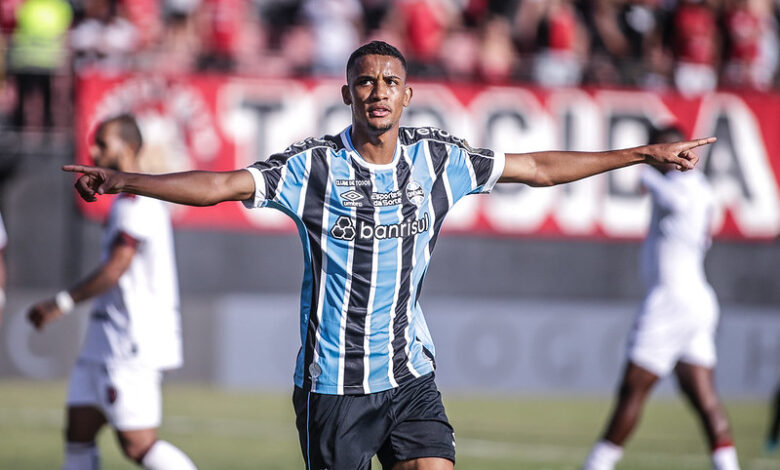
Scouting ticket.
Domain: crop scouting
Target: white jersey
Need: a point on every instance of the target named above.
(679, 232)
(3, 235)
(138, 319)
(679, 313)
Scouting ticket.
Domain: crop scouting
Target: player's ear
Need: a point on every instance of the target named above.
(345, 95)
(408, 92)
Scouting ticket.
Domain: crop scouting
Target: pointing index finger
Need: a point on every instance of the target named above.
(699, 142)
(77, 168)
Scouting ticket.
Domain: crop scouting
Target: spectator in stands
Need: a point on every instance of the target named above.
(658, 64)
(694, 35)
(336, 26)
(374, 14)
(296, 52)
(103, 40)
(463, 65)
(476, 12)
(38, 51)
(423, 26)
(7, 25)
(751, 44)
(560, 43)
(497, 58)
(179, 47)
(608, 42)
(640, 21)
(8, 10)
(647, 43)
(221, 23)
(147, 18)
(279, 16)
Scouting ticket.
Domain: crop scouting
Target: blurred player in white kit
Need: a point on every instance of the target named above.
(675, 327)
(134, 328)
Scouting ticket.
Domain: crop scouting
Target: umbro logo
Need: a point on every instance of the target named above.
(352, 195)
(351, 198)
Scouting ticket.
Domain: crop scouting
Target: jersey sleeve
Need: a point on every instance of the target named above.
(473, 170)
(279, 181)
(665, 192)
(134, 218)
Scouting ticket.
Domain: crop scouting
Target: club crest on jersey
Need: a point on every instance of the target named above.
(346, 229)
(351, 198)
(415, 193)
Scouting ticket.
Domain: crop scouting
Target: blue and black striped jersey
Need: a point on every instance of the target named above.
(368, 232)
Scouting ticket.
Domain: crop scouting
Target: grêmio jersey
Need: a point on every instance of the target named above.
(368, 231)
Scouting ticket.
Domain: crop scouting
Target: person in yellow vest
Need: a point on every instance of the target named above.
(37, 51)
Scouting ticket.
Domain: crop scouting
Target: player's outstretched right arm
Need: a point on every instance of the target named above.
(192, 188)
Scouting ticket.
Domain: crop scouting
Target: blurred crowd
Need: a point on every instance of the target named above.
(693, 46)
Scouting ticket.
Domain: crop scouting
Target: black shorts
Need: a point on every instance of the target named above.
(343, 432)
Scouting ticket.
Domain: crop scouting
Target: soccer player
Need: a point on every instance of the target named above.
(369, 203)
(675, 326)
(134, 329)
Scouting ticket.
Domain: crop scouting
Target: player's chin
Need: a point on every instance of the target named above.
(380, 126)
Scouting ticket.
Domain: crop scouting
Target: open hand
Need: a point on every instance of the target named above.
(679, 155)
(95, 180)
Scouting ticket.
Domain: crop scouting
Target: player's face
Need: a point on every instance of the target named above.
(377, 92)
(108, 147)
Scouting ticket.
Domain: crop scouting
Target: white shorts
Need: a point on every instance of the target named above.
(128, 395)
(673, 327)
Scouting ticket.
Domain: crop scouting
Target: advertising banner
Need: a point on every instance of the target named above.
(224, 123)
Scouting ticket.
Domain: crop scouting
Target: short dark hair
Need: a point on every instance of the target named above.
(661, 134)
(375, 48)
(128, 130)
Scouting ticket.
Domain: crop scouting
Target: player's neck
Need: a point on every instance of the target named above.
(375, 148)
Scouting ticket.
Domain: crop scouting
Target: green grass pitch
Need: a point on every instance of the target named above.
(241, 430)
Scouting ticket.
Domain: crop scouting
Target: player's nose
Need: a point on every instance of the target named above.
(380, 90)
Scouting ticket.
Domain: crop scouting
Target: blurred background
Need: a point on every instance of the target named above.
(531, 292)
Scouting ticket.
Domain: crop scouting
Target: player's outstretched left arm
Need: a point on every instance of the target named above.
(556, 167)
(192, 188)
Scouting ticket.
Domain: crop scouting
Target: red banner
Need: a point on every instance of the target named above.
(223, 123)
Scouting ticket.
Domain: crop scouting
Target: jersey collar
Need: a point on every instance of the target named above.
(347, 140)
